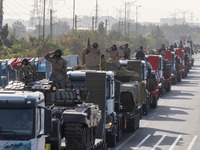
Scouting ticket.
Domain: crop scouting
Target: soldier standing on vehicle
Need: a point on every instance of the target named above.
(114, 55)
(140, 53)
(180, 45)
(175, 46)
(126, 51)
(24, 70)
(57, 62)
(171, 48)
(91, 56)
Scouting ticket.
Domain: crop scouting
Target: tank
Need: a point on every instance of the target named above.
(73, 118)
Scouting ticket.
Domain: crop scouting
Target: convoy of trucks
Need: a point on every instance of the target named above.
(87, 109)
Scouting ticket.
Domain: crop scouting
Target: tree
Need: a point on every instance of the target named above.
(19, 30)
(157, 33)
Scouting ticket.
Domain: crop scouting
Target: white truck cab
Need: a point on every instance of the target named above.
(24, 120)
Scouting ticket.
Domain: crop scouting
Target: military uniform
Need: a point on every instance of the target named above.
(91, 57)
(23, 71)
(114, 56)
(57, 64)
(126, 51)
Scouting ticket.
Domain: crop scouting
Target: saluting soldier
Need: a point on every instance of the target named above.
(24, 70)
(126, 51)
(91, 56)
(57, 62)
(114, 55)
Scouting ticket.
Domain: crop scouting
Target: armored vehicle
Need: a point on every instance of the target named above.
(73, 119)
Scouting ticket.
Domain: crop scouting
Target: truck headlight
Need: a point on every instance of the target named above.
(108, 125)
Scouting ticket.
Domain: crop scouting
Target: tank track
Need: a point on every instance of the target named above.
(78, 136)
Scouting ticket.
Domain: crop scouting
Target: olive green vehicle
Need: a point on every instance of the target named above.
(74, 119)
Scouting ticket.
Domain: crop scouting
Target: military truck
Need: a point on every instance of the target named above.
(121, 103)
(73, 120)
(25, 121)
(139, 66)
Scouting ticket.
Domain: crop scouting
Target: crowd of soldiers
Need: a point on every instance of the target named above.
(91, 58)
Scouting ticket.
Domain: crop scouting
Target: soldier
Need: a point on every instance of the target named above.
(114, 55)
(175, 46)
(171, 48)
(180, 45)
(126, 51)
(24, 70)
(163, 48)
(57, 62)
(91, 56)
(140, 53)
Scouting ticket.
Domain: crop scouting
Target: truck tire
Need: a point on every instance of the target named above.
(111, 139)
(168, 89)
(133, 124)
(154, 103)
(119, 128)
(55, 136)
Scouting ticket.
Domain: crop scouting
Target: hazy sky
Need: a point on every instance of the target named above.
(150, 10)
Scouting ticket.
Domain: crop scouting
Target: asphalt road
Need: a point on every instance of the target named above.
(175, 123)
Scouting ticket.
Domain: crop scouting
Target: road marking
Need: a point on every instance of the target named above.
(175, 142)
(127, 140)
(135, 148)
(192, 143)
(158, 143)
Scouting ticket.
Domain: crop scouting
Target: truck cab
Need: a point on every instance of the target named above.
(25, 122)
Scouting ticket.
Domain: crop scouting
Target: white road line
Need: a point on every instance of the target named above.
(135, 148)
(175, 142)
(158, 143)
(120, 146)
(192, 143)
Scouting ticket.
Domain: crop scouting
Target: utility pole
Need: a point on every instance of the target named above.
(51, 24)
(125, 18)
(73, 27)
(106, 25)
(75, 24)
(1, 15)
(43, 36)
(136, 21)
(92, 23)
(96, 18)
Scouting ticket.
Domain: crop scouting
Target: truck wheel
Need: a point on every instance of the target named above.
(154, 103)
(119, 129)
(111, 140)
(55, 137)
(131, 125)
(168, 89)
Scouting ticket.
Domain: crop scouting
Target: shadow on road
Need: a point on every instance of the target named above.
(178, 94)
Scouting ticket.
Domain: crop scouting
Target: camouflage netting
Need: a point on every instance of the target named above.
(125, 75)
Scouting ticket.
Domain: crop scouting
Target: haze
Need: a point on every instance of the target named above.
(150, 10)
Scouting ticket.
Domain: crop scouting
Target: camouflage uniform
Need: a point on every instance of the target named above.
(56, 64)
(91, 57)
(114, 56)
(126, 51)
(23, 71)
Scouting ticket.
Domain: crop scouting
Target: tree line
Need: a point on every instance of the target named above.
(17, 42)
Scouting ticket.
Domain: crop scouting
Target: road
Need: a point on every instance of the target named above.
(175, 123)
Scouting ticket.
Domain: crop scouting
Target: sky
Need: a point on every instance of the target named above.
(148, 10)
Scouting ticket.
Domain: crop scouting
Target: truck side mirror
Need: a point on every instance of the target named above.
(48, 122)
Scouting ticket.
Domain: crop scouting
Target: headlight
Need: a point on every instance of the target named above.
(108, 125)
(160, 84)
(54, 88)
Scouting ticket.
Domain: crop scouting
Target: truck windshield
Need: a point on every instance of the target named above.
(17, 121)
